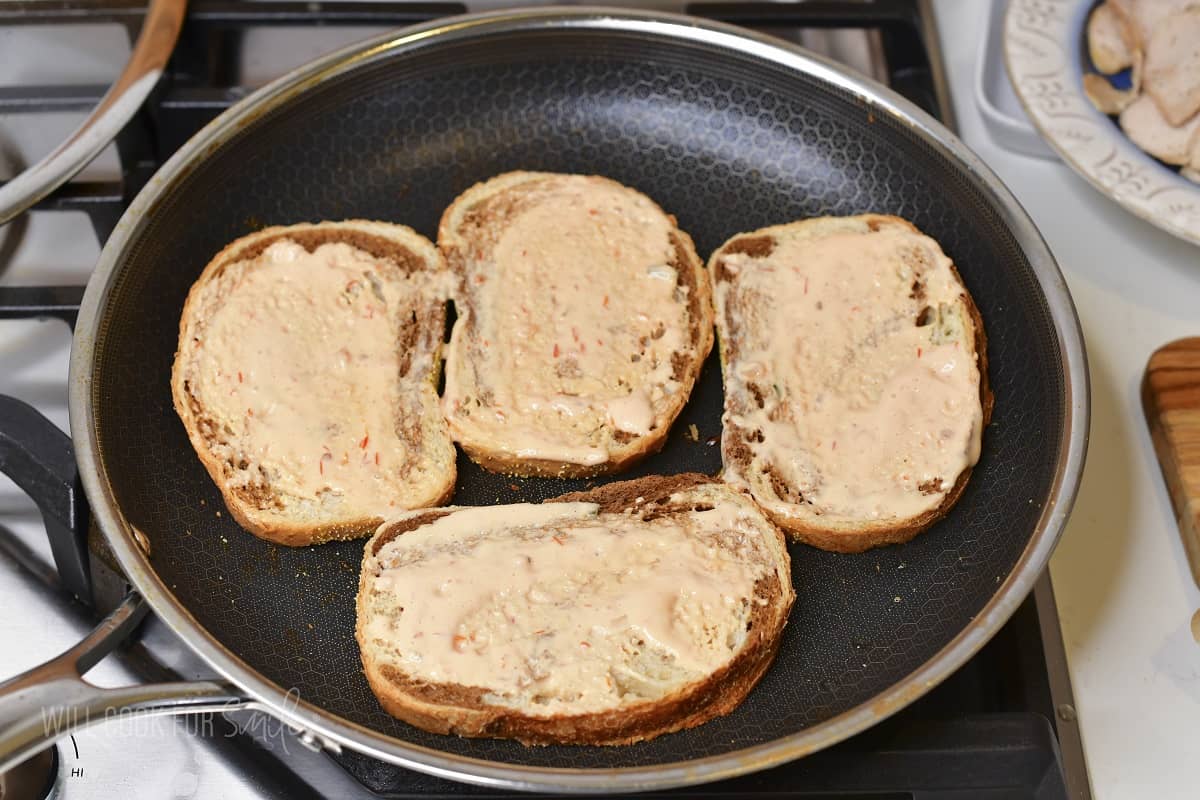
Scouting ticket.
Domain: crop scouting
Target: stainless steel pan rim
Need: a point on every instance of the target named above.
(323, 726)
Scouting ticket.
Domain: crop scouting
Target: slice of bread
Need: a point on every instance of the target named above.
(306, 377)
(855, 373)
(603, 617)
(584, 315)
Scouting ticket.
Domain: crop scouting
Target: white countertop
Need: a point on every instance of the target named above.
(1125, 594)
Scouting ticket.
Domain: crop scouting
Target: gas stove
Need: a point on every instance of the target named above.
(1003, 726)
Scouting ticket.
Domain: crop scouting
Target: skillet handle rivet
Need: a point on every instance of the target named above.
(310, 740)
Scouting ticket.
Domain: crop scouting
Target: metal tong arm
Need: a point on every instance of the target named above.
(159, 31)
(52, 700)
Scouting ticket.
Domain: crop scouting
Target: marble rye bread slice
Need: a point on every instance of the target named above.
(603, 617)
(584, 316)
(855, 371)
(306, 378)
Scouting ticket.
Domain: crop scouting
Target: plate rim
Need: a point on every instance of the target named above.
(1065, 31)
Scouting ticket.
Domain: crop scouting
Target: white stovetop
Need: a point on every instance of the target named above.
(1125, 594)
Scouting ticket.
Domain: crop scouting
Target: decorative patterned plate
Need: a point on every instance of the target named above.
(1046, 56)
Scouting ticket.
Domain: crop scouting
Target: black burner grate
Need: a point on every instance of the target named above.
(197, 87)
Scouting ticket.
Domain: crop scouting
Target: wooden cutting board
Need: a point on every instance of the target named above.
(1171, 400)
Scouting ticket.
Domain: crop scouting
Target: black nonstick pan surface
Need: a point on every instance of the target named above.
(729, 135)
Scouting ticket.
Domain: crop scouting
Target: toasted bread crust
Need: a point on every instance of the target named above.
(867, 534)
(461, 710)
(395, 243)
(458, 216)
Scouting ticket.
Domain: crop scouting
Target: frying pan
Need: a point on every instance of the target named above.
(729, 131)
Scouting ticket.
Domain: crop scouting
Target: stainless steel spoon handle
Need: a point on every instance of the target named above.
(159, 31)
(52, 700)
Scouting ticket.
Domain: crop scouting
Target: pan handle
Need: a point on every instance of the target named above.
(52, 700)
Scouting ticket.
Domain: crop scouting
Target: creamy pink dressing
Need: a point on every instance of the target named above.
(633, 414)
(298, 364)
(867, 414)
(576, 284)
(553, 608)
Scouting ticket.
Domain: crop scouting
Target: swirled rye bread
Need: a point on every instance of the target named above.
(855, 371)
(601, 617)
(306, 377)
(584, 315)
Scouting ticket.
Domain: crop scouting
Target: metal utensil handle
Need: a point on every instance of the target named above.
(159, 31)
(52, 700)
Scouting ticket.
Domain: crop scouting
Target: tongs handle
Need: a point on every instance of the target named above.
(52, 700)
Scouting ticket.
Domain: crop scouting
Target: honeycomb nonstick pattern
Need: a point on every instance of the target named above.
(724, 142)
